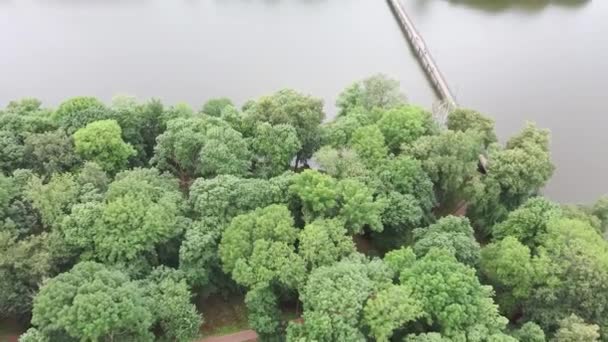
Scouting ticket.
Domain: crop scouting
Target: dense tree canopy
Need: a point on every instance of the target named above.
(379, 225)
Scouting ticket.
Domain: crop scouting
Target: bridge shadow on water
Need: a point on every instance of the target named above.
(494, 6)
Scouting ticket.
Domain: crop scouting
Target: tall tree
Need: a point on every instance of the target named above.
(101, 142)
(403, 125)
(274, 147)
(92, 302)
(304, 113)
(377, 91)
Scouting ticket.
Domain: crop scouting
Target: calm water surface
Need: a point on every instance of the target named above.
(190, 51)
(548, 63)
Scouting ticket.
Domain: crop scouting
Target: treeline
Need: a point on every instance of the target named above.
(112, 217)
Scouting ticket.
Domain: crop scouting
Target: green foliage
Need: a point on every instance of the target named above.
(225, 197)
(377, 91)
(450, 159)
(12, 151)
(514, 175)
(75, 120)
(92, 302)
(358, 207)
(50, 152)
(368, 142)
(263, 312)
(340, 163)
(318, 193)
(198, 251)
(54, 199)
(334, 298)
(102, 143)
(574, 329)
(302, 112)
(529, 222)
(75, 105)
(24, 264)
(201, 147)
(224, 151)
(214, 107)
(140, 211)
(349, 199)
(390, 309)
(323, 242)
(258, 248)
(508, 266)
(274, 148)
(339, 132)
(452, 297)
(530, 332)
(466, 119)
(170, 305)
(427, 337)
(572, 267)
(406, 176)
(403, 125)
(453, 234)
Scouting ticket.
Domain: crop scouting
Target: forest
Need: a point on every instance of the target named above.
(379, 225)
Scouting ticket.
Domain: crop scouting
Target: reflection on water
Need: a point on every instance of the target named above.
(520, 5)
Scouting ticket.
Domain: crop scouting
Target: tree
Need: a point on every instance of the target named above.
(340, 163)
(323, 242)
(530, 332)
(72, 121)
(92, 302)
(302, 112)
(274, 147)
(258, 248)
(54, 199)
(453, 234)
(50, 152)
(390, 309)
(406, 176)
(224, 151)
(75, 105)
(377, 91)
(334, 298)
(403, 125)
(214, 107)
(358, 207)
(525, 165)
(349, 199)
(508, 266)
(574, 329)
(24, 264)
(317, 192)
(195, 147)
(450, 159)
(102, 143)
(572, 269)
(170, 305)
(338, 133)
(198, 257)
(224, 197)
(528, 223)
(453, 297)
(466, 119)
(11, 152)
(368, 142)
(140, 211)
(263, 312)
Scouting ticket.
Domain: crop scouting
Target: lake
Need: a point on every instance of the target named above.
(547, 63)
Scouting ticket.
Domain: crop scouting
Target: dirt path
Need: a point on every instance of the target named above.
(241, 336)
